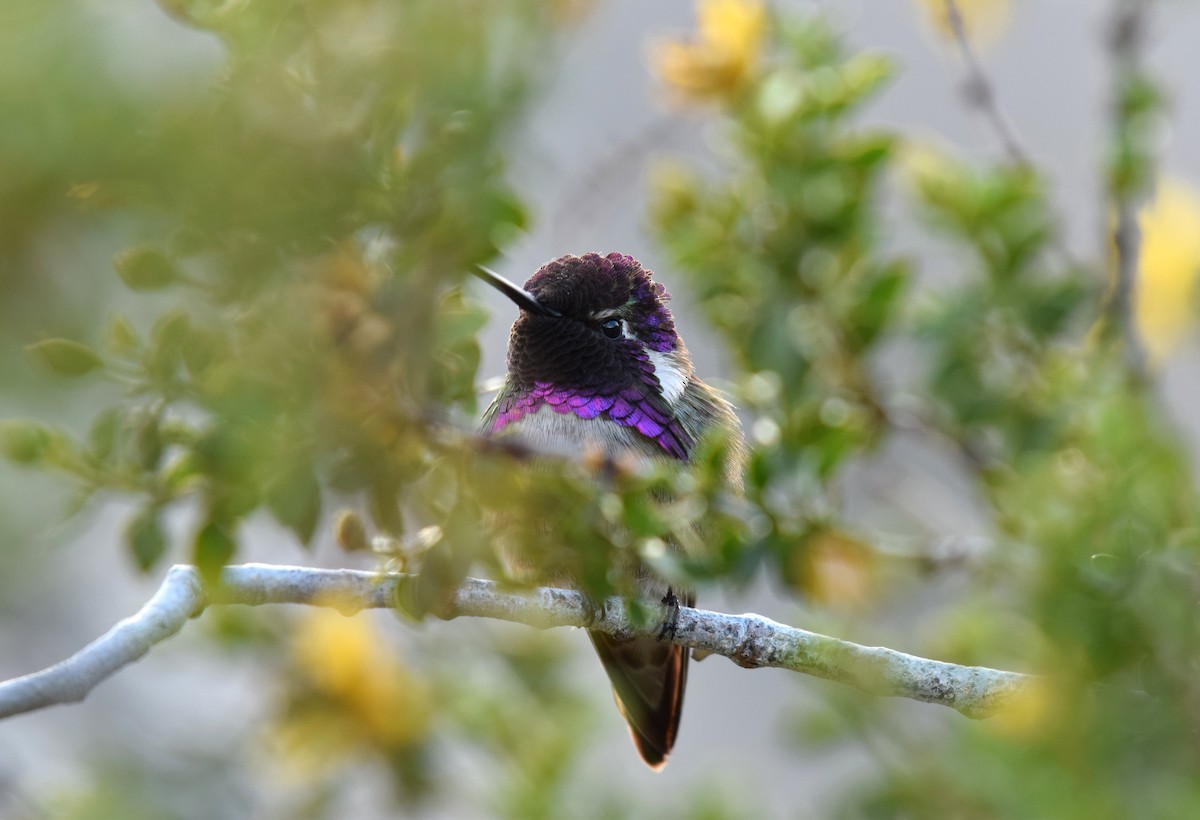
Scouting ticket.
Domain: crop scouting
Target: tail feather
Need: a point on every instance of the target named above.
(648, 679)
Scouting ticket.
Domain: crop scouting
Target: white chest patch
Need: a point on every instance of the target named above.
(670, 375)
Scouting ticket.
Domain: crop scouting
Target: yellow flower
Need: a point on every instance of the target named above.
(983, 20)
(1029, 713)
(1168, 264)
(837, 571)
(348, 662)
(724, 54)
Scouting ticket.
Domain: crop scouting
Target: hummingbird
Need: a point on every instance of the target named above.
(595, 362)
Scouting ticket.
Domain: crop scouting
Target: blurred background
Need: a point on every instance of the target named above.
(196, 159)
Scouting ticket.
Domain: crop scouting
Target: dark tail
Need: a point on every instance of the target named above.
(648, 678)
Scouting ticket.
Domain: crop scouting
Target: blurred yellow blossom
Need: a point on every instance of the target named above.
(837, 571)
(724, 53)
(1168, 263)
(984, 21)
(571, 11)
(351, 690)
(1033, 711)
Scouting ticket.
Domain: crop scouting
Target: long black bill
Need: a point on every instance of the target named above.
(524, 299)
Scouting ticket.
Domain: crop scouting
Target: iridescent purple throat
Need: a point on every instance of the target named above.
(630, 407)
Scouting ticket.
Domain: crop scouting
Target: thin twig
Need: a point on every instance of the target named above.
(979, 93)
(1127, 42)
(599, 187)
(750, 641)
(1127, 238)
(978, 89)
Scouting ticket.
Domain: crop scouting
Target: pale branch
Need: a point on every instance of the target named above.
(748, 640)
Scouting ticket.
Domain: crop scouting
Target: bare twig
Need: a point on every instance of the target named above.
(1129, 173)
(599, 187)
(1127, 238)
(978, 89)
(750, 641)
(979, 93)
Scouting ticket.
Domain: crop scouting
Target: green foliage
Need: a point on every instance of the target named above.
(782, 253)
(310, 209)
(1084, 477)
(294, 213)
(1078, 463)
(295, 221)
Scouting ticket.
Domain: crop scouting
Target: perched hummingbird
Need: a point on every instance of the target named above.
(594, 361)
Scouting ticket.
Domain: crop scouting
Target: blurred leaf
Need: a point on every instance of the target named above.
(65, 357)
(180, 471)
(212, 550)
(104, 433)
(122, 338)
(878, 303)
(385, 507)
(145, 268)
(148, 442)
(25, 442)
(145, 538)
(202, 350)
(294, 498)
(164, 351)
(642, 517)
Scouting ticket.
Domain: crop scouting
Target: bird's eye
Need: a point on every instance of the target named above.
(611, 328)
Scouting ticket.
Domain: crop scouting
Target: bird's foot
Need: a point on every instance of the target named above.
(593, 611)
(671, 620)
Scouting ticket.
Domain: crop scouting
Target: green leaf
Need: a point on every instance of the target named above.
(202, 349)
(145, 539)
(459, 320)
(864, 74)
(167, 339)
(65, 357)
(432, 589)
(179, 471)
(295, 501)
(385, 507)
(102, 436)
(172, 329)
(122, 338)
(212, 550)
(877, 305)
(642, 517)
(410, 598)
(144, 267)
(148, 441)
(25, 442)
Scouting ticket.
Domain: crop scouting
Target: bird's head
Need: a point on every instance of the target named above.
(595, 324)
